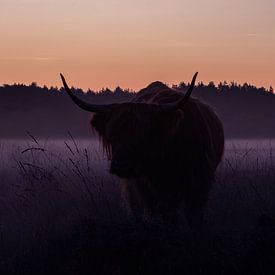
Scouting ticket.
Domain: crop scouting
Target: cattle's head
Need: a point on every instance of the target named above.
(131, 132)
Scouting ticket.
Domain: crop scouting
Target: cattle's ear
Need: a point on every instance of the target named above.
(99, 121)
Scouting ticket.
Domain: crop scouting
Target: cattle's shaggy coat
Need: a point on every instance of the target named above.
(165, 156)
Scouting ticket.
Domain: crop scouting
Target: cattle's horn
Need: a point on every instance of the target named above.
(182, 101)
(82, 104)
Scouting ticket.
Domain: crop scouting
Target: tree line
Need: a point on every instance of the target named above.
(247, 111)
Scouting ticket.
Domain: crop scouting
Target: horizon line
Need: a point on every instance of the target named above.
(133, 90)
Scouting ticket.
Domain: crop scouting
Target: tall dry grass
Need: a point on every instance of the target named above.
(61, 213)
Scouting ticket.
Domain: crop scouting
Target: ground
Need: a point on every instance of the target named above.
(61, 213)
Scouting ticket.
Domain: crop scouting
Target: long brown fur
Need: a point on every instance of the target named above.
(171, 156)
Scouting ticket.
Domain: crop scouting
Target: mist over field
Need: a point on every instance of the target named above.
(62, 212)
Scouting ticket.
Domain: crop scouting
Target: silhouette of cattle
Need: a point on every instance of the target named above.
(165, 146)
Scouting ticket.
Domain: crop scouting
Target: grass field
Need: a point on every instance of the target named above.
(61, 213)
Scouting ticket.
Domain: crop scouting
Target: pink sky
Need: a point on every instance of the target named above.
(101, 43)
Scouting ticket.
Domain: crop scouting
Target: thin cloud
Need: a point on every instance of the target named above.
(20, 58)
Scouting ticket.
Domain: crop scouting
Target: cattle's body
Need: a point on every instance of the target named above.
(191, 154)
(164, 145)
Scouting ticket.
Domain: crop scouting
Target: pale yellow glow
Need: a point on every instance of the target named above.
(101, 43)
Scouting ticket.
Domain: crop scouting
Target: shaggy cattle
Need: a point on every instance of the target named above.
(165, 145)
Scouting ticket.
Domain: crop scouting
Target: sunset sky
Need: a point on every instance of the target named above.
(97, 43)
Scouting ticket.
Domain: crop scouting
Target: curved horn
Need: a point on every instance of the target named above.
(182, 101)
(82, 104)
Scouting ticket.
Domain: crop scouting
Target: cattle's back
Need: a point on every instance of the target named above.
(200, 124)
(157, 93)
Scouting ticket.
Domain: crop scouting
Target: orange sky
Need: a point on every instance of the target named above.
(97, 43)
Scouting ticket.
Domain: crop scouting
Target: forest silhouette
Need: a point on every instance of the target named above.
(246, 111)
